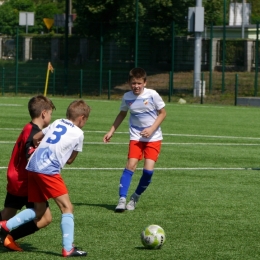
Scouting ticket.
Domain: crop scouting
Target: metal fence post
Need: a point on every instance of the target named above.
(236, 89)
(256, 58)
(201, 90)
(224, 48)
(170, 87)
(101, 59)
(136, 31)
(3, 82)
(210, 58)
(81, 83)
(16, 61)
(172, 69)
(109, 84)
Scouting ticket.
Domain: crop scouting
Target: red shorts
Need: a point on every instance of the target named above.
(148, 150)
(42, 187)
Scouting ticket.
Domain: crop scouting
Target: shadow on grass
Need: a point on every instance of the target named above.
(28, 248)
(147, 249)
(106, 206)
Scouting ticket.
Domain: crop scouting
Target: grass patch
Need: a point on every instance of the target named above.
(202, 194)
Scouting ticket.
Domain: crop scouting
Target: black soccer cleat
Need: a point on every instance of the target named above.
(73, 252)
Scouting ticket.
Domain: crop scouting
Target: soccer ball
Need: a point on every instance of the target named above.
(153, 237)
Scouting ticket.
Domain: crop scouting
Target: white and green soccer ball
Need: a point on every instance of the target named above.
(153, 237)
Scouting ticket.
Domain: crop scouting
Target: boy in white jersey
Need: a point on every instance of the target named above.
(57, 144)
(147, 112)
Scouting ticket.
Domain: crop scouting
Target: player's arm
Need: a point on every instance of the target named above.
(147, 132)
(29, 146)
(72, 157)
(37, 138)
(119, 119)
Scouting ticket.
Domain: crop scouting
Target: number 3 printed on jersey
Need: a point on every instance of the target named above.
(57, 134)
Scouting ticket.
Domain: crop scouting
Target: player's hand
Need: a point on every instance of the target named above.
(107, 137)
(36, 143)
(147, 132)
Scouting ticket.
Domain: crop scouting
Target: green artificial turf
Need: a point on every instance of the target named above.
(204, 193)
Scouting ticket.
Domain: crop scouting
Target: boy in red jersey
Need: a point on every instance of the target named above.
(57, 144)
(40, 109)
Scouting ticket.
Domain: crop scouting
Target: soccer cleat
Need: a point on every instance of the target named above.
(121, 205)
(132, 203)
(11, 244)
(3, 231)
(73, 252)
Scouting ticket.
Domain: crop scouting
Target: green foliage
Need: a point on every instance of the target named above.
(9, 14)
(47, 10)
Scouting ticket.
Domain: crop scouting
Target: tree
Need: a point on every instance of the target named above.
(47, 10)
(9, 14)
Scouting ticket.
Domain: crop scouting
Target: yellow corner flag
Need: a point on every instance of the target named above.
(49, 68)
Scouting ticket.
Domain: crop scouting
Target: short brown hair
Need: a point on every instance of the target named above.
(77, 108)
(39, 103)
(137, 73)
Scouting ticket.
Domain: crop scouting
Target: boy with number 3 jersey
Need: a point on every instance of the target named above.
(57, 144)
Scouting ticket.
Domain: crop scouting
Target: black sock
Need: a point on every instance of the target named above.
(24, 230)
(1, 216)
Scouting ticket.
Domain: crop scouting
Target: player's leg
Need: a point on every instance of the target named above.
(33, 225)
(67, 227)
(29, 214)
(151, 153)
(7, 213)
(12, 204)
(134, 155)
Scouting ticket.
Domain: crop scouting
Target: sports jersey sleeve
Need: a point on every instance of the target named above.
(124, 106)
(158, 101)
(79, 146)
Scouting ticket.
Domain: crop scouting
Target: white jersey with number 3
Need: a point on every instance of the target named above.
(61, 138)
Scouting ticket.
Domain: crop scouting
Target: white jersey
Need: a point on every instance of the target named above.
(143, 112)
(61, 138)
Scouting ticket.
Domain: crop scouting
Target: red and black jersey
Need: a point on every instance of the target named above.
(17, 175)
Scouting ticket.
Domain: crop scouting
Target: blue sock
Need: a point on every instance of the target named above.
(21, 218)
(125, 182)
(144, 182)
(67, 229)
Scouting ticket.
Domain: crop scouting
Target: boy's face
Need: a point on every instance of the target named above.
(47, 117)
(137, 85)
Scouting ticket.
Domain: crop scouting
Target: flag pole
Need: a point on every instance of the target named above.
(49, 68)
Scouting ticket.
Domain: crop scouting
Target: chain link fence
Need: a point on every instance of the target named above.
(99, 66)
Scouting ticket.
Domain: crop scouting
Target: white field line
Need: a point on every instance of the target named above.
(178, 144)
(164, 134)
(161, 169)
(11, 105)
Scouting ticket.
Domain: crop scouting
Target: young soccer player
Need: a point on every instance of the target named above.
(40, 109)
(147, 112)
(57, 144)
